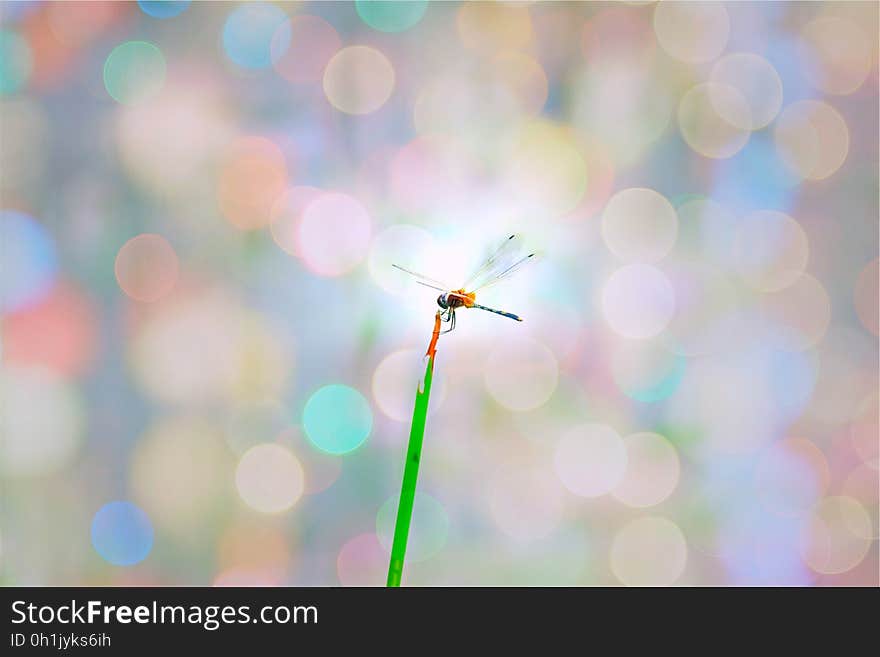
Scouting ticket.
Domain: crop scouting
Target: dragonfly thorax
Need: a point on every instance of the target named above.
(456, 299)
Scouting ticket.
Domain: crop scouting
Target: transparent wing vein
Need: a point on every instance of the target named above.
(508, 259)
(424, 280)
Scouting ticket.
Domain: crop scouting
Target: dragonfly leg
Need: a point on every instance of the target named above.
(450, 317)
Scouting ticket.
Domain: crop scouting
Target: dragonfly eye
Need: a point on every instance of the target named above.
(441, 301)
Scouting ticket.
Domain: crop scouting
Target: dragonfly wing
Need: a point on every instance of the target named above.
(424, 280)
(433, 287)
(508, 259)
(506, 273)
(499, 260)
(505, 261)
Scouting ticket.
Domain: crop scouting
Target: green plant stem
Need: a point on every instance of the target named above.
(410, 477)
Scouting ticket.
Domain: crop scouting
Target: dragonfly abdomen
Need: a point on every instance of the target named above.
(498, 312)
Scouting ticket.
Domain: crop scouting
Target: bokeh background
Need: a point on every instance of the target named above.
(209, 364)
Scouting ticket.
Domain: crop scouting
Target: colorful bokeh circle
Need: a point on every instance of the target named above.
(337, 419)
(134, 72)
(163, 8)
(122, 533)
(388, 16)
(248, 32)
(29, 260)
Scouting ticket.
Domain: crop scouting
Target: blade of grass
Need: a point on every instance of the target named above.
(410, 476)
(411, 468)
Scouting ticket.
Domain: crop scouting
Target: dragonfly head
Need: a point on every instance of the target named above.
(441, 301)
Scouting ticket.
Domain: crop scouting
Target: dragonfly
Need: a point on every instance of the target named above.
(505, 261)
